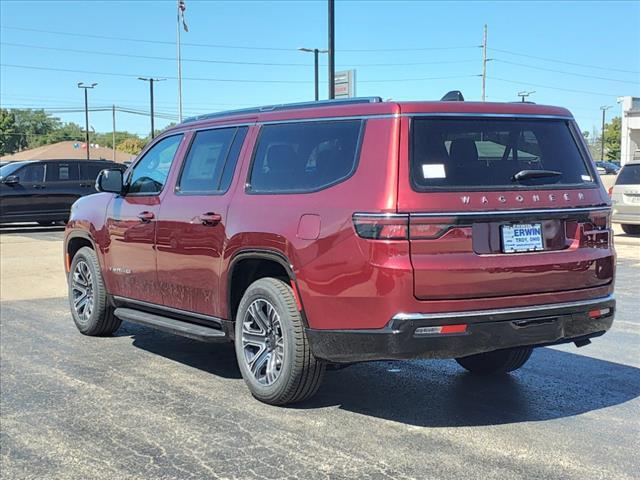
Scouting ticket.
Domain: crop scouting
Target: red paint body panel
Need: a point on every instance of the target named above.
(344, 281)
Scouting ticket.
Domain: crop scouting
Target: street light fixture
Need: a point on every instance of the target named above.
(86, 111)
(315, 52)
(151, 80)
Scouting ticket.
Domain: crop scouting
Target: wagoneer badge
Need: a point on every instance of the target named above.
(520, 198)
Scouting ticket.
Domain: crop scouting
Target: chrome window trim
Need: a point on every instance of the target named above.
(501, 311)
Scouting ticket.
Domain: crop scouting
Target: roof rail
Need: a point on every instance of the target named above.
(284, 106)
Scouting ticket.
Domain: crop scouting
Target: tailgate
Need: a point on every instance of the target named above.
(465, 256)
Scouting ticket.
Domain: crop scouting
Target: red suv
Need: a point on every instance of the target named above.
(353, 230)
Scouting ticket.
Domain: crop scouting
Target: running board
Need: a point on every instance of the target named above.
(171, 325)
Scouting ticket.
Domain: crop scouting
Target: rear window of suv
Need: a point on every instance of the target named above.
(478, 153)
(629, 175)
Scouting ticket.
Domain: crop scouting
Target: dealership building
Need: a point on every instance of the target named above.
(630, 143)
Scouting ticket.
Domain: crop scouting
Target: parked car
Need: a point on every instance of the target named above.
(43, 190)
(600, 169)
(625, 195)
(345, 231)
(609, 167)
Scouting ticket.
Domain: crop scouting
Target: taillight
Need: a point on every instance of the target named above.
(611, 191)
(596, 232)
(429, 228)
(382, 226)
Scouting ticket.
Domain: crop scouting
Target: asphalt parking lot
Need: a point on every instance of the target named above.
(146, 405)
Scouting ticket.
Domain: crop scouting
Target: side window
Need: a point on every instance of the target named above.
(62, 172)
(89, 171)
(304, 157)
(210, 156)
(150, 173)
(31, 173)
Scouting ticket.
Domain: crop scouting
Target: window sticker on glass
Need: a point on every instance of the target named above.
(433, 170)
(586, 178)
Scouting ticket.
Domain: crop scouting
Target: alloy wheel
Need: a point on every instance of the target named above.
(263, 341)
(82, 290)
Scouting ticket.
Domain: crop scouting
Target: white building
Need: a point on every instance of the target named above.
(630, 144)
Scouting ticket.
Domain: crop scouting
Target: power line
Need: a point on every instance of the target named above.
(564, 72)
(554, 88)
(564, 62)
(229, 62)
(236, 47)
(229, 80)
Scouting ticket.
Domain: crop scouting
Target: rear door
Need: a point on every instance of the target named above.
(62, 186)
(500, 207)
(192, 221)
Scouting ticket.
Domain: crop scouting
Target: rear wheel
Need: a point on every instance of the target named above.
(631, 229)
(88, 297)
(271, 345)
(499, 361)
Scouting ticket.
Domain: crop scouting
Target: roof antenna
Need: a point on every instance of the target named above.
(453, 96)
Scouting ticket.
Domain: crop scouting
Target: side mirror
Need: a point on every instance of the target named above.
(110, 180)
(11, 180)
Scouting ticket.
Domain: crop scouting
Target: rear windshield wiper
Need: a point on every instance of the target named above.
(527, 174)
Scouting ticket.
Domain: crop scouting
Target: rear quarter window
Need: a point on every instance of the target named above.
(304, 157)
(478, 153)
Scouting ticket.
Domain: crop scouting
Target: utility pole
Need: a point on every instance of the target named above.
(524, 95)
(86, 111)
(113, 135)
(151, 80)
(315, 52)
(181, 8)
(484, 62)
(332, 50)
(604, 108)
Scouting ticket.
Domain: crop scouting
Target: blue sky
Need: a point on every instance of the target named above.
(433, 44)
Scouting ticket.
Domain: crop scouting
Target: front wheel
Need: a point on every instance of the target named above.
(499, 361)
(88, 296)
(272, 347)
(631, 229)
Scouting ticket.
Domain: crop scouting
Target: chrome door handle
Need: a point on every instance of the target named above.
(210, 219)
(146, 216)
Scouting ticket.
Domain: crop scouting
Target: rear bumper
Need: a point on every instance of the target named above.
(627, 218)
(486, 330)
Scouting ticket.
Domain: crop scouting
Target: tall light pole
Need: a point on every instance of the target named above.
(315, 52)
(524, 95)
(332, 50)
(484, 62)
(151, 80)
(86, 111)
(604, 108)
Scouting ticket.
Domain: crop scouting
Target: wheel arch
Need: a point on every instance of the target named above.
(250, 265)
(74, 242)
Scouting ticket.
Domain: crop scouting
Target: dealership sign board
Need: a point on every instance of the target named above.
(345, 84)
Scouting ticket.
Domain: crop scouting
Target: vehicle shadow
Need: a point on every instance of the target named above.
(217, 358)
(554, 384)
(435, 393)
(25, 229)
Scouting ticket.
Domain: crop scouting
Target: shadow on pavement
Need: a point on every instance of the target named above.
(436, 393)
(25, 229)
(554, 384)
(218, 359)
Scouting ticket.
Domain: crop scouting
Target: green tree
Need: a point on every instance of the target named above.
(132, 145)
(612, 138)
(9, 134)
(36, 127)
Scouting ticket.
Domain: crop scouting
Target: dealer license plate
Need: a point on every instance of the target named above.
(522, 237)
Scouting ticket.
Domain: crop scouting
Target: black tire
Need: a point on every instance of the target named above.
(99, 320)
(631, 229)
(300, 374)
(499, 361)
